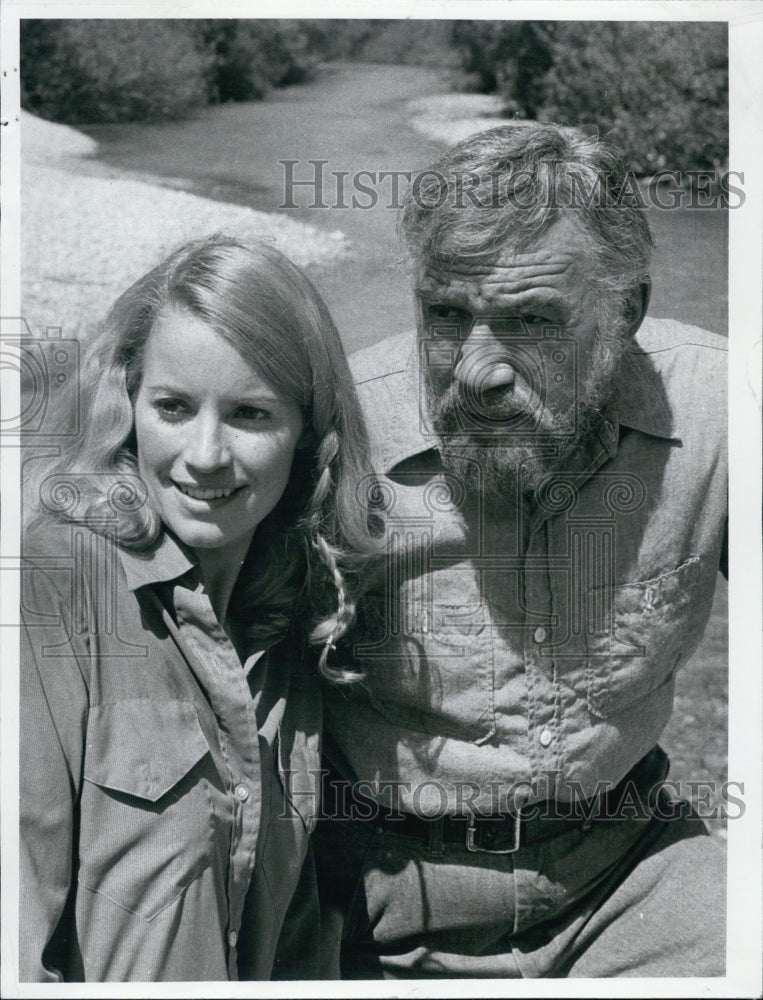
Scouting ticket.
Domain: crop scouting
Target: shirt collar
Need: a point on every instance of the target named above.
(640, 404)
(412, 432)
(165, 560)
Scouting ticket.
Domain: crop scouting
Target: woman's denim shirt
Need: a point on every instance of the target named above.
(161, 836)
(513, 653)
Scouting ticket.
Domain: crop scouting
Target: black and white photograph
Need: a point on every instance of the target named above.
(382, 564)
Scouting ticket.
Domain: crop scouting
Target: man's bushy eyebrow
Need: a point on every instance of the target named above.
(528, 298)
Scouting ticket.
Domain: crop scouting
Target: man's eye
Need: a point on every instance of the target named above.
(446, 313)
(530, 319)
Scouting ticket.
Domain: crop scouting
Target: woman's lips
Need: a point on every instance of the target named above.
(208, 494)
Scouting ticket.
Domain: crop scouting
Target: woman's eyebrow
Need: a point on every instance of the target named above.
(164, 387)
(245, 395)
(254, 398)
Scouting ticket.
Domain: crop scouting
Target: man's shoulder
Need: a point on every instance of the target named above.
(674, 382)
(659, 335)
(689, 361)
(389, 357)
(386, 377)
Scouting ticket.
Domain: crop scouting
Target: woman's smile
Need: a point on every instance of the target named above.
(209, 494)
(215, 440)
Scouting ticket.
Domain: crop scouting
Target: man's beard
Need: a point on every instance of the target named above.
(515, 446)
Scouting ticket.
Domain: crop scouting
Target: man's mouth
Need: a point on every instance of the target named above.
(497, 409)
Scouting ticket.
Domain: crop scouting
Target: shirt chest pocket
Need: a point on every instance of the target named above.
(637, 635)
(433, 672)
(146, 828)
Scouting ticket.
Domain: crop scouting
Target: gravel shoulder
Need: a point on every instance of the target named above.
(87, 238)
(449, 118)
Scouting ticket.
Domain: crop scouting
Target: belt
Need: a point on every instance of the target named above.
(507, 832)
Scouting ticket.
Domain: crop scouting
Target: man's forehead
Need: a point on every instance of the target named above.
(558, 255)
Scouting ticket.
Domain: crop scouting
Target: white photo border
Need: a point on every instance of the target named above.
(745, 929)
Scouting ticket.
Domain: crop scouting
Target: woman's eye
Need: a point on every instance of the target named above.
(252, 413)
(171, 409)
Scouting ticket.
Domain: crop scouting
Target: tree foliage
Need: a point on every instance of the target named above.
(659, 89)
(89, 71)
(110, 70)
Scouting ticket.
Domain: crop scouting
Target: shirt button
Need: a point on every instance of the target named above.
(241, 792)
(539, 635)
(546, 738)
(232, 938)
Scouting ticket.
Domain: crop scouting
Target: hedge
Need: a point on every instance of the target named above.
(89, 71)
(659, 89)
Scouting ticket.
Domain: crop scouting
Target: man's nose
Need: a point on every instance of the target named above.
(483, 361)
(207, 448)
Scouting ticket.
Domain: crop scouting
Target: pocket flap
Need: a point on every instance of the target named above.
(141, 746)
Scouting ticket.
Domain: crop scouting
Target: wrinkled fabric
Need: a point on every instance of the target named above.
(522, 655)
(627, 898)
(532, 652)
(160, 836)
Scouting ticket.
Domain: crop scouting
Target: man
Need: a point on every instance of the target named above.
(553, 480)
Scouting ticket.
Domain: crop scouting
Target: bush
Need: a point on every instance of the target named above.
(660, 90)
(339, 38)
(90, 71)
(411, 42)
(510, 57)
(249, 57)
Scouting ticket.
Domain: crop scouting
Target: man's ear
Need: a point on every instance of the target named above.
(638, 303)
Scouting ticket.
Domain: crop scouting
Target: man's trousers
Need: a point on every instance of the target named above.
(635, 895)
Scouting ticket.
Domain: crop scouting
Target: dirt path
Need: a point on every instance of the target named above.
(354, 116)
(350, 116)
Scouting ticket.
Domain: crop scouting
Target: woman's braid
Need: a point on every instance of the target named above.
(333, 626)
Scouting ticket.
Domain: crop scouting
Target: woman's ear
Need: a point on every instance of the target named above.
(638, 303)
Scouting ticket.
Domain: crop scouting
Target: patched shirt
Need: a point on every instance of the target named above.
(163, 829)
(530, 652)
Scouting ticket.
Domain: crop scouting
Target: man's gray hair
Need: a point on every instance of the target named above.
(508, 185)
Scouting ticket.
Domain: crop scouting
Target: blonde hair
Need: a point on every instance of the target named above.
(316, 541)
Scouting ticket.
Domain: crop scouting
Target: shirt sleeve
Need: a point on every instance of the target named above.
(53, 718)
(299, 946)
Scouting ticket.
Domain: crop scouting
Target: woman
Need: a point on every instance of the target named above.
(208, 523)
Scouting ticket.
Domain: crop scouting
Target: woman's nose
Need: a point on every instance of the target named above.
(483, 362)
(206, 449)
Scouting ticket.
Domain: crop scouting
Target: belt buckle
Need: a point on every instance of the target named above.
(471, 829)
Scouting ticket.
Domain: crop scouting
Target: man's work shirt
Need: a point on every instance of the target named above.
(522, 653)
(158, 841)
